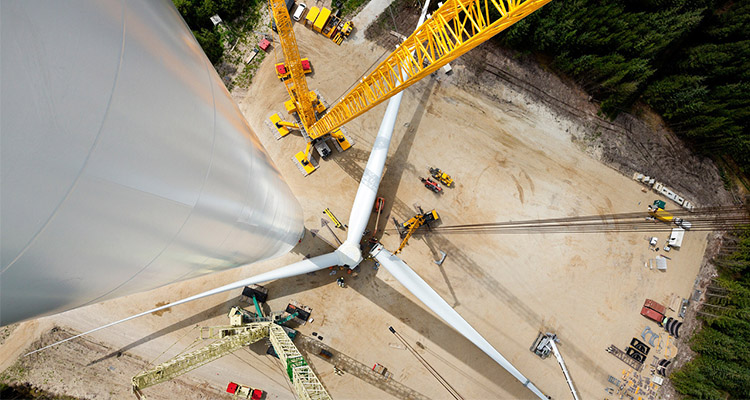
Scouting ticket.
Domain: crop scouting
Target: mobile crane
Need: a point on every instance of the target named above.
(546, 344)
(409, 227)
(453, 29)
(231, 338)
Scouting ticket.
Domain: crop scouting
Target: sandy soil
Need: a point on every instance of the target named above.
(512, 159)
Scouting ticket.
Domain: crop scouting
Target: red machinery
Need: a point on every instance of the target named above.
(244, 392)
(432, 185)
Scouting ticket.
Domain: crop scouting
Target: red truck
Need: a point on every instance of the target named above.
(652, 314)
(244, 392)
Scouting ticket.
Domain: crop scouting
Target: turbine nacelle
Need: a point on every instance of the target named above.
(349, 255)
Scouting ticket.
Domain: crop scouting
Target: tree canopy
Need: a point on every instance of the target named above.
(688, 59)
(197, 14)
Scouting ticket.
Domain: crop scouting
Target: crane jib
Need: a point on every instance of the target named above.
(455, 28)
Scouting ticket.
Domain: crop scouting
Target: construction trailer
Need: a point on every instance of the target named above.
(321, 20)
(675, 238)
(312, 14)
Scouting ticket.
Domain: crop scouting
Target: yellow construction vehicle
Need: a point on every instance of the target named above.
(304, 105)
(322, 20)
(444, 178)
(455, 28)
(657, 211)
(342, 32)
(333, 218)
(409, 227)
(311, 16)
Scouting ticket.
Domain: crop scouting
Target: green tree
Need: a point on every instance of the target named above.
(210, 41)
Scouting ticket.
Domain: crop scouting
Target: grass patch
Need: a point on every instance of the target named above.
(350, 6)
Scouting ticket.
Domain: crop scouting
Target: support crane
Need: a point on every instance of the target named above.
(231, 338)
(409, 227)
(306, 384)
(302, 103)
(545, 344)
(455, 28)
(248, 334)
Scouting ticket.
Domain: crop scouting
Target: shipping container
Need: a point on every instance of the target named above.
(651, 314)
(655, 306)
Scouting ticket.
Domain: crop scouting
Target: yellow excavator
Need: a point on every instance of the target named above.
(409, 227)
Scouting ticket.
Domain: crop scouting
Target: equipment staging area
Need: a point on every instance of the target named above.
(511, 159)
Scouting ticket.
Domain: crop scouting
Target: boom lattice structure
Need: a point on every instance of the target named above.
(455, 28)
(306, 384)
(296, 85)
(177, 366)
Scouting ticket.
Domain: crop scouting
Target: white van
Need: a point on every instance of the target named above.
(298, 13)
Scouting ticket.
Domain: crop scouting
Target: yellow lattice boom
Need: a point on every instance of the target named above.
(296, 85)
(455, 28)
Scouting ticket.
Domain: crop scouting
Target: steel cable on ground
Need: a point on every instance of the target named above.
(704, 219)
(427, 365)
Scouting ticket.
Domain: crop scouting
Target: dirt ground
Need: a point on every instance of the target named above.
(513, 158)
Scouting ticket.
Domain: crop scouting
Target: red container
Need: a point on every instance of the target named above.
(264, 44)
(651, 314)
(232, 387)
(655, 306)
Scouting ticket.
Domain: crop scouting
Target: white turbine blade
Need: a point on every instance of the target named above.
(298, 268)
(431, 299)
(368, 186)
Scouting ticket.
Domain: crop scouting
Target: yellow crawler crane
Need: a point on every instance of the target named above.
(302, 103)
(455, 28)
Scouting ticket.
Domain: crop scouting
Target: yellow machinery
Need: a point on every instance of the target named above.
(409, 227)
(337, 30)
(343, 32)
(283, 72)
(303, 103)
(311, 15)
(333, 218)
(662, 215)
(455, 28)
(328, 24)
(441, 176)
(322, 20)
(331, 27)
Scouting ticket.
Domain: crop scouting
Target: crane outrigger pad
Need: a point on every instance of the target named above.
(279, 131)
(341, 142)
(304, 164)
